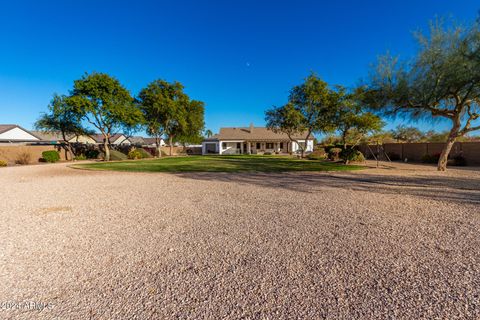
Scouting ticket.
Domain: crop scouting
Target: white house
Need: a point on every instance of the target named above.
(151, 142)
(12, 133)
(254, 140)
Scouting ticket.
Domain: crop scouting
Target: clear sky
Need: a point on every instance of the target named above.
(239, 57)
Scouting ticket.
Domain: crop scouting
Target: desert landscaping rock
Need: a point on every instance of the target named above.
(392, 243)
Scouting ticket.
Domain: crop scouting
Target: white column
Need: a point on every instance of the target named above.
(249, 147)
(220, 147)
(241, 147)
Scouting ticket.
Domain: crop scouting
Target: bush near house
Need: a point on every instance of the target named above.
(352, 155)
(51, 156)
(23, 158)
(318, 154)
(334, 153)
(81, 157)
(3, 163)
(92, 154)
(134, 154)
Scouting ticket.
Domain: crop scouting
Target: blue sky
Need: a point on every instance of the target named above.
(239, 57)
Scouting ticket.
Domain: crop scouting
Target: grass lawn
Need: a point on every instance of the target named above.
(235, 163)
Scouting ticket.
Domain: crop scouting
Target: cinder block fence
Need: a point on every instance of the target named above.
(415, 151)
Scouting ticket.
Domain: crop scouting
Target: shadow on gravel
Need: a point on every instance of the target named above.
(461, 190)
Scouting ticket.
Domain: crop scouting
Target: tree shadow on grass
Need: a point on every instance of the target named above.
(442, 188)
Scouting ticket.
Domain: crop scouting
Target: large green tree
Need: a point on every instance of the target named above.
(442, 81)
(104, 103)
(62, 118)
(194, 123)
(407, 134)
(169, 111)
(154, 101)
(308, 110)
(353, 122)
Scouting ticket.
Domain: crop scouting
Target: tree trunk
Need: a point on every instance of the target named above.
(442, 161)
(452, 137)
(68, 147)
(159, 147)
(107, 150)
(66, 153)
(170, 141)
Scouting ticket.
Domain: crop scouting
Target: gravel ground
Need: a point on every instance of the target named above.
(394, 243)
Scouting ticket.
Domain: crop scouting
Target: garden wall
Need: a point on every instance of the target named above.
(415, 151)
(11, 153)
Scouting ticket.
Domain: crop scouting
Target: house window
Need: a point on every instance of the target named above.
(238, 145)
(224, 145)
(258, 145)
(269, 145)
(281, 145)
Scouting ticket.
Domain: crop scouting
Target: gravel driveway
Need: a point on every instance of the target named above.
(378, 244)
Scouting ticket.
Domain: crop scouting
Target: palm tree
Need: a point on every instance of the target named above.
(208, 133)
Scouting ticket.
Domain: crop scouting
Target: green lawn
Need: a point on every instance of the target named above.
(236, 163)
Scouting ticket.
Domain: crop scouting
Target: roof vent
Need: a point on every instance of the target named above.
(251, 127)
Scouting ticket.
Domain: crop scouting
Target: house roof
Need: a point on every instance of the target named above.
(99, 137)
(149, 141)
(7, 127)
(253, 133)
(49, 136)
(137, 140)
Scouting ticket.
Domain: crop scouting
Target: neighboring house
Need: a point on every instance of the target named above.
(253, 140)
(50, 137)
(82, 139)
(57, 138)
(115, 139)
(137, 140)
(12, 133)
(151, 142)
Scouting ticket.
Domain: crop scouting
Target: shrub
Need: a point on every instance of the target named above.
(334, 153)
(50, 156)
(145, 154)
(318, 154)
(352, 155)
(80, 157)
(23, 158)
(92, 154)
(3, 163)
(134, 154)
(393, 156)
(430, 158)
(357, 156)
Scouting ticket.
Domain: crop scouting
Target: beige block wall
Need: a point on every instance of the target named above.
(415, 151)
(11, 153)
(471, 152)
